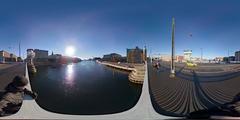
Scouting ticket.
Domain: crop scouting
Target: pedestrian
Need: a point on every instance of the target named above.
(12, 98)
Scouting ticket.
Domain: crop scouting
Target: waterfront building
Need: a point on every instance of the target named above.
(13, 57)
(7, 57)
(54, 58)
(225, 59)
(136, 55)
(165, 57)
(161, 57)
(123, 59)
(106, 57)
(237, 56)
(29, 51)
(113, 57)
(40, 55)
(155, 57)
(19, 59)
(231, 58)
(179, 58)
(219, 59)
(67, 60)
(97, 58)
(3, 56)
(57, 59)
(187, 55)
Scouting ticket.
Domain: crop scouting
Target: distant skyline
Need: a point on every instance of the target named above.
(98, 27)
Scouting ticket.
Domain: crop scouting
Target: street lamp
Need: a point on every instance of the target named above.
(172, 72)
(201, 54)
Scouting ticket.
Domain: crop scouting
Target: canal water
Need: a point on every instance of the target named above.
(85, 88)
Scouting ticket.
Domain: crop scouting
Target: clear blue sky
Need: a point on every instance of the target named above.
(97, 27)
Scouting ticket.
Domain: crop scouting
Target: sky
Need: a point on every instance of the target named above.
(98, 27)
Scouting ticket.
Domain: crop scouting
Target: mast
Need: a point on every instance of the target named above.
(172, 72)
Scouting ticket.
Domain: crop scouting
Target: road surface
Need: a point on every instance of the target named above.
(8, 72)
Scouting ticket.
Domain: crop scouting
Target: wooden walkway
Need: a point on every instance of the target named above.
(137, 70)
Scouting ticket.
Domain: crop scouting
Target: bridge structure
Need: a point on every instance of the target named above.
(142, 110)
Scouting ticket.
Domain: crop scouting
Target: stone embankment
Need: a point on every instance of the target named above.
(137, 70)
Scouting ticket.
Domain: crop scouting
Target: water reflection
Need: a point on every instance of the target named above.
(69, 79)
(85, 88)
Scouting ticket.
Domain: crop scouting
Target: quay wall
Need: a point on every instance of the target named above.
(137, 71)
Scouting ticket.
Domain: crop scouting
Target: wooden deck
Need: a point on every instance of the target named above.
(190, 92)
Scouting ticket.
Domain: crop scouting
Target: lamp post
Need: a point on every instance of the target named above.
(150, 55)
(172, 72)
(201, 54)
(145, 54)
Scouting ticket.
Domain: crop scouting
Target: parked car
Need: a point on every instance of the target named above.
(191, 64)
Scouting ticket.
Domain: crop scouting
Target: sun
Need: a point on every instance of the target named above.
(69, 51)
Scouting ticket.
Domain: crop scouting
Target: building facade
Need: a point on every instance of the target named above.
(113, 57)
(231, 58)
(136, 55)
(165, 57)
(187, 55)
(219, 59)
(179, 58)
(40, 55)
(155, 57)
(7, 57)
(13, 57)
(54, 58)
(237, 56)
